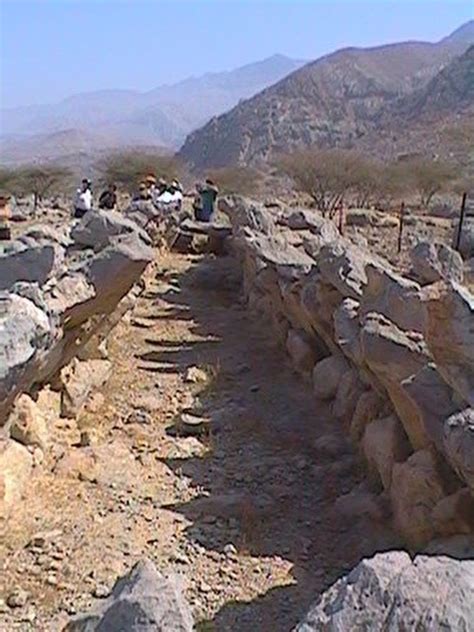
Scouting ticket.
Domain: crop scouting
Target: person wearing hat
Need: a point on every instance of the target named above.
(5, 232)
(83, 199)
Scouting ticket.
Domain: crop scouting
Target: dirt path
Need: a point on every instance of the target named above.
(244, 513)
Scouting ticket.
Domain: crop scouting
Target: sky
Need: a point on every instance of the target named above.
(51, 49)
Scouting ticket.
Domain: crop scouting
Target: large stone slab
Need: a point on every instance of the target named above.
(450, 335)
(392, 592)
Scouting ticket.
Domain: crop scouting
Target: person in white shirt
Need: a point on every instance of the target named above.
(83, 199)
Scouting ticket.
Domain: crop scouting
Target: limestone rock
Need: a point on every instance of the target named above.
(392, 354)
(392, 592)
(384, 444)
(450, 335)
(142, 601)
(25, 333)
(394, 296)
(15, 468)
(416, 488)
(432, 262)
(458, 444)
(343, 266)
(31, 262)
(246, 213)
(327, 375)
(28, 424)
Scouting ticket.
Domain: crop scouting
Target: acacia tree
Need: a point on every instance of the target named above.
(129, 168)
(236, 179)
(39, 181)
(326, 175)
(424, 176)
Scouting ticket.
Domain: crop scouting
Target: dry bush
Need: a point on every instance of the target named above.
(130, 167)
(243, 180)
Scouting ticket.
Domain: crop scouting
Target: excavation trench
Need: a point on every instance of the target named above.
(244, 510)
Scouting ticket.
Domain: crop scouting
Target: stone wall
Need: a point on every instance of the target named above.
(394, 355)
(61, 293)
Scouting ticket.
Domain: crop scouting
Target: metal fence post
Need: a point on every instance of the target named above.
(461, 220)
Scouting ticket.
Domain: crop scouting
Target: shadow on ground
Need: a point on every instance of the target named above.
(271, 492)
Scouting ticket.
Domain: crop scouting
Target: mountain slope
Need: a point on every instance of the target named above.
(333, 101)
(162, 116)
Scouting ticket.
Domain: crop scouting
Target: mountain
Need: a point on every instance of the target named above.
(333, 101)
(163, 116)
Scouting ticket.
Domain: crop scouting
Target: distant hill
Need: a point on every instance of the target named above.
(163, 116)
(334, 101)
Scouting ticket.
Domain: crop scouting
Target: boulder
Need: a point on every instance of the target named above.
(15, 468)
(97, 228)
(397, 298)
(432, 262)
(384, 443)
(450, 335)
(391, 353)
(142, 601)
(423, 401)
(458, 444)
(25, 333)
(115, 270)
(342, 265)
(417, 486)
(244, 213)
(327, 375)
(393, 592)
(30, 262)
(27, 423)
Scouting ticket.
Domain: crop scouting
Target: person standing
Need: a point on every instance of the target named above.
(83, 199)
(208, 200)
(108, 199)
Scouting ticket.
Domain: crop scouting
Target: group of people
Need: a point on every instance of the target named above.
(159, 192)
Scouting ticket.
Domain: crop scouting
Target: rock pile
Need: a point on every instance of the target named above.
(61, 293)
(395, 356)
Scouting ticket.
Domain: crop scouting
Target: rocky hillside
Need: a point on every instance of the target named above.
(335, 100)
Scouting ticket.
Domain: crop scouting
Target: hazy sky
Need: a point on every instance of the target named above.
(51, 49)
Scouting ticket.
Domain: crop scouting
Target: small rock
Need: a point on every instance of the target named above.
(139, 416)
(230, 549)
(195, 375)
(52, 580)
(204, 587)
(17, 598)
(100, 591)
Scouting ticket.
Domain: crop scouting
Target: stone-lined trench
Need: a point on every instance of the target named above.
(245, 513)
